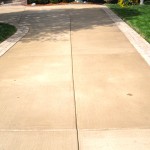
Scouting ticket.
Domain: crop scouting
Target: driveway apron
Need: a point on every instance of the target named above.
(73, 82)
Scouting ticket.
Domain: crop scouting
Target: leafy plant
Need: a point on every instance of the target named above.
(38, 1)
(123, 3)
(54, 1)
(108, 1)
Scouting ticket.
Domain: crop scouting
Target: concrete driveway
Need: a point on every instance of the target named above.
(74, 82)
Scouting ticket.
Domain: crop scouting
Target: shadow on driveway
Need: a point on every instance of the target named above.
(54, 24)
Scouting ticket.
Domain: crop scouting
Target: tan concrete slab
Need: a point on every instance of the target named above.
(46, 48)
(112, 91)
(101, 33)
(11, 14)
(115, 139)
(111, 79)
(88, 18)
(56, 68)
(29, 92)
(11, 9)
(98, 35)
(100, 40)
(111, 84)
(38, 140)
(103, 50)
(36, 76)
(36, 107)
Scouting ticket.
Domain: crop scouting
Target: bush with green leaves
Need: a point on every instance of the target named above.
(54, 1)
(108, 1)
(123, 3)
(42, 1)
(38, 1)
(95, 1)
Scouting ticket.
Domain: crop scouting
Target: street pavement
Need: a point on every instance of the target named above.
(73, 82)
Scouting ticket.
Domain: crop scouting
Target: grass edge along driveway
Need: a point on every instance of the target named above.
(6, 30)
(137, 16)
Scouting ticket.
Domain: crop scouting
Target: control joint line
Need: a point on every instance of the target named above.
(76, 120)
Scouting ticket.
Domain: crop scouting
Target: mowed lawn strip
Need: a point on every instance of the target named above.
(137, 16)
(6, 30)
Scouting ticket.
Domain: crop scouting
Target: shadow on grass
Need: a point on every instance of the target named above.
(127, 13)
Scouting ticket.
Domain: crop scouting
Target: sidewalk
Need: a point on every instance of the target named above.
(73, 82)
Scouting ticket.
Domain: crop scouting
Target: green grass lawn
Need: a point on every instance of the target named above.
(6, 31)
(137, 16)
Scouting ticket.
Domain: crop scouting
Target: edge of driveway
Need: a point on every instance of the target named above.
(140, 44)
(12, 40)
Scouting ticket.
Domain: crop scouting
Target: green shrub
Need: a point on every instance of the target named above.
(147, 2)
(108, 1)
(31, 1)
(96, 1)
(43, 1)
(38, 1)
(54, 1)
(68, 1)
(123, 3)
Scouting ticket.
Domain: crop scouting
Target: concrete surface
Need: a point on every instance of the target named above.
(115, 140)
(117, 76)
(141, 45)
(37, 140)
(12, 40)
(73, 71)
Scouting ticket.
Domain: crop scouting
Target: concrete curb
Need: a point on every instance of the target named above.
(11, 41)
(141, 45)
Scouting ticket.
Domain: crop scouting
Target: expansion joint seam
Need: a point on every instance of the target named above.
(74, 94)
